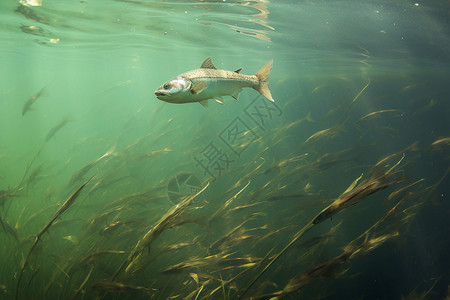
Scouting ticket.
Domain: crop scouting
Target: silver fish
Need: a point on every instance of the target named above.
(27, 105)
(210, 83)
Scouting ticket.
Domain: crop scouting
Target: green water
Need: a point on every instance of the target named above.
(271, 167)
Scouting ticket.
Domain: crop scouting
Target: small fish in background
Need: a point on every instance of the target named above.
(379, 114)
(208, 82)
(27, 106)
(441, 144)
(51, 133)
(425, 108)
(117, 287)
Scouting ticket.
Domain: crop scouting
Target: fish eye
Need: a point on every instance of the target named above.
(166, 86)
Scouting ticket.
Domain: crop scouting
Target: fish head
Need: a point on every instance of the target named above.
(175, 90)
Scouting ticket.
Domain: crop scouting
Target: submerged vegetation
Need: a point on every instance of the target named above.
(257, 231)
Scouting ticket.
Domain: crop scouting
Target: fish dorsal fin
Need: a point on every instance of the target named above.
(238, 70)
(208, 64)
(204, 103)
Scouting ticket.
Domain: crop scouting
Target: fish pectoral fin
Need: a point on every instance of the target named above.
(238, 70)
(204, 103)
(199, 87)
(235, 95)
(219, 100)
(208, 64)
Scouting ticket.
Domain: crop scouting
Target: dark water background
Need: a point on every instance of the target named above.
(271, 168)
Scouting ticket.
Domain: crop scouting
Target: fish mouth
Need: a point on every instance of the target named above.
(161, 94)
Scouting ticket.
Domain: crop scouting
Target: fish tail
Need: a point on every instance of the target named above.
(263, 77)
(43, 92)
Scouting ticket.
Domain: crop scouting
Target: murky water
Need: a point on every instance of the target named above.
(337, 190)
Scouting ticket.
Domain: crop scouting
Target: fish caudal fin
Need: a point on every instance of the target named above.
(263, 77)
